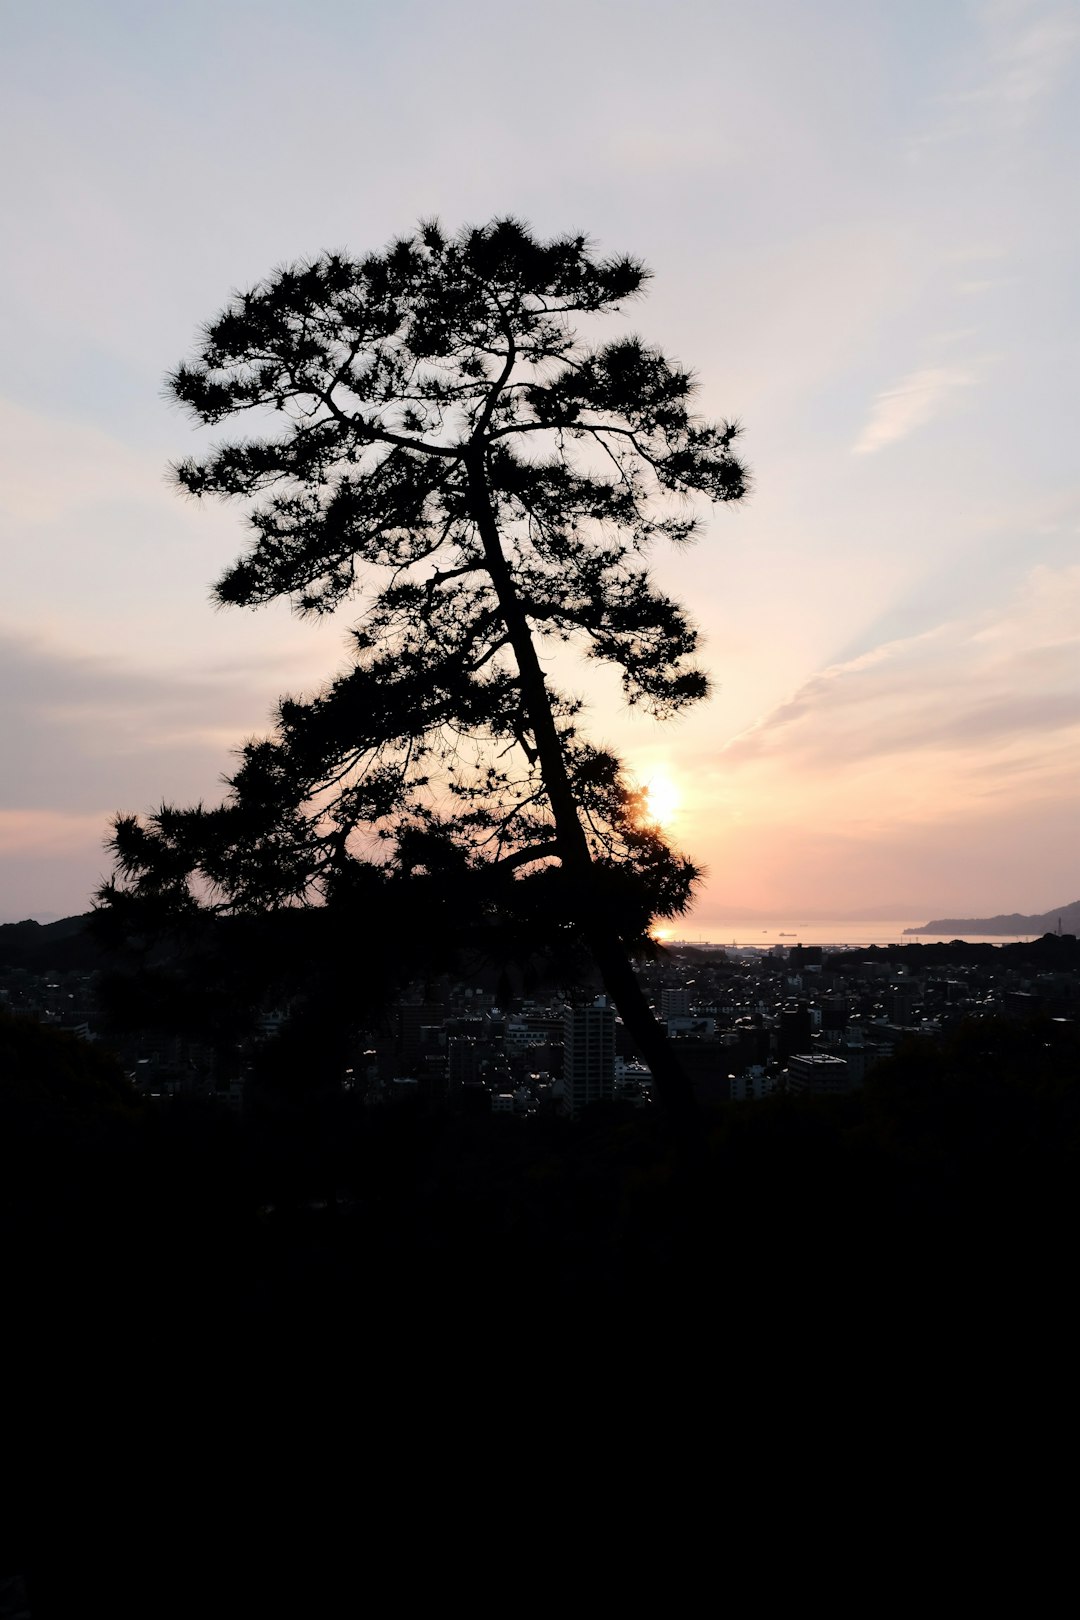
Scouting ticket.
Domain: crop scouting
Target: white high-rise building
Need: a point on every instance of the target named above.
(588, 1055)
(674, 1003)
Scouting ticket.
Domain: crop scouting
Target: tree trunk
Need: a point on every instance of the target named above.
(672, 1086)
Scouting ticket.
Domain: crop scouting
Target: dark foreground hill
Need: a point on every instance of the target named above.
(957, 1166)
(322, 1297)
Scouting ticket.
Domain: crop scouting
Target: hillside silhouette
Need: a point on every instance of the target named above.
(1013, 922)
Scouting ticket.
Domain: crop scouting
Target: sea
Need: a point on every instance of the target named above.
(749, 934)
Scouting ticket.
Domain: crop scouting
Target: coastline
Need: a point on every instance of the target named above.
(833, 935)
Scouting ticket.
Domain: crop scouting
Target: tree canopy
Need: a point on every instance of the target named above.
(439, 442)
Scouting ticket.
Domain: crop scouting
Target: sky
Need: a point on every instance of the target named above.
(861, 219)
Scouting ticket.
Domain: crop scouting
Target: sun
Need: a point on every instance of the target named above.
(662, 799)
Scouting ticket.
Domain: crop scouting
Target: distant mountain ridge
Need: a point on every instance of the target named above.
(1043, 922)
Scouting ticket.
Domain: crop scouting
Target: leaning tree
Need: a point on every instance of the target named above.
(446, 446)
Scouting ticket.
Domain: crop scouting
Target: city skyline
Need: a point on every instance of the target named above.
(872, 267)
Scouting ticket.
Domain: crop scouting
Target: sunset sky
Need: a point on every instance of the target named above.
(862, 220)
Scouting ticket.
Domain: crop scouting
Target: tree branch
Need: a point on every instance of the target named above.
(522, 857)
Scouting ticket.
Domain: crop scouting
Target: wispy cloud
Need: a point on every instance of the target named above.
(51, 468)
(90, 735)
(1024, 54)
(89, 731)
(943, 766)
(912, 402)
(976, 691)
(50, 832)
(1030, 55)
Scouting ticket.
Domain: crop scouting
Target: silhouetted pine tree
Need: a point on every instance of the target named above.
(453, 452)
